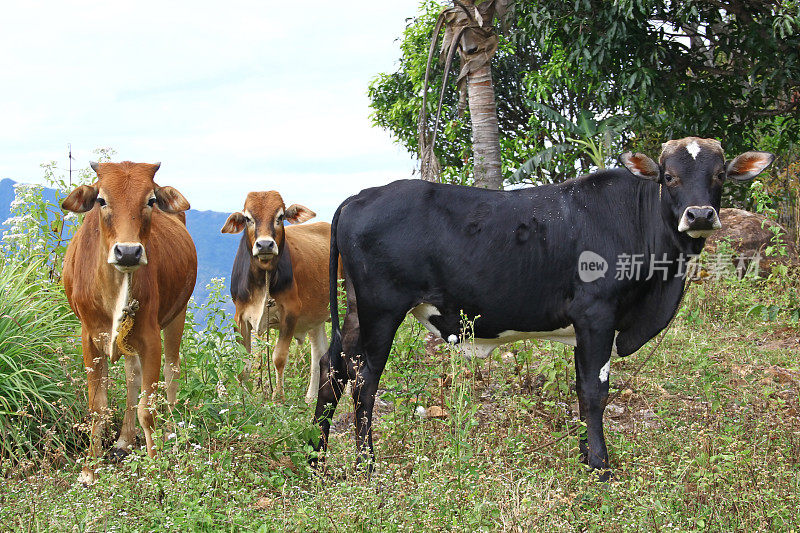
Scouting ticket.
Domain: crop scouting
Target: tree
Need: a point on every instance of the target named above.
(468, 30)
(728, 69)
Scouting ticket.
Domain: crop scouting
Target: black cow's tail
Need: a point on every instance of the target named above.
(337, 367)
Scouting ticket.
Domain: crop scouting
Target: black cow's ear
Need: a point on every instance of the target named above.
(297, 213)
(170, 200)
(235, 223)
(749, 165)
(81, 199)
(640, 165)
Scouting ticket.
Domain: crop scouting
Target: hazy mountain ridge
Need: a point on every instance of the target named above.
(215, 250)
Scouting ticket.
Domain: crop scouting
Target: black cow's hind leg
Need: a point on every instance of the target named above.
(377, 340)
(594, 339)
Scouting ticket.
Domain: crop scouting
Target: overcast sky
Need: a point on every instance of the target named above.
(230, 97)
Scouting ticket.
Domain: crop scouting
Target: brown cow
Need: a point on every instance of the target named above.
(288, 264)
(132, 245)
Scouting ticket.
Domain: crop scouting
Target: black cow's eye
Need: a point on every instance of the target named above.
(668, 178)
(101, 201)
(720, 176)
(151, 202)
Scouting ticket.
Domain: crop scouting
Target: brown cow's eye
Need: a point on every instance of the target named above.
(101, 201)
(151, 202)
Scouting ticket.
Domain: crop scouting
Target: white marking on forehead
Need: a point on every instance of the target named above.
(693, 148)
(604, 372)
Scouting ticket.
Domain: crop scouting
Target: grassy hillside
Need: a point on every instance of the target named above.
(706, 436)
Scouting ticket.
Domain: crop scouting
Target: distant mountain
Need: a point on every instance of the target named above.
(215, 250)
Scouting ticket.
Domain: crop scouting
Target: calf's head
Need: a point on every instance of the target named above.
(262, 221)
(691, 173)
(124, 196)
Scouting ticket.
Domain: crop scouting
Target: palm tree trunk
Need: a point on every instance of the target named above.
(485, 130)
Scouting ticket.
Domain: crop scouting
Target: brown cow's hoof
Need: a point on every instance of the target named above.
(87, 477)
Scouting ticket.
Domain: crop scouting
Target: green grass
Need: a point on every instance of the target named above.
(707, 436)
(38, 369)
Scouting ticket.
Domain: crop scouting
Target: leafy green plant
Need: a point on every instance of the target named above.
(39, 369)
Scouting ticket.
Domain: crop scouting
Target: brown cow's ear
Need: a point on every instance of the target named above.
(170, 200)
(81, 199)
(749, 165)
(640, 165)
(297, 213)
(235, 223)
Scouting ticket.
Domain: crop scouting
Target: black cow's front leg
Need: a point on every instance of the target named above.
(592, 355)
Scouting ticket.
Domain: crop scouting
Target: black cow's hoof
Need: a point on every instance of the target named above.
(604, 475)
(117, 455)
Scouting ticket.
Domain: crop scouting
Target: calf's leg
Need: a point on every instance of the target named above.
(281, 353)
(318, 342)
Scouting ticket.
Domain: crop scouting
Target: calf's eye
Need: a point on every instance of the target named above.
(151, 202)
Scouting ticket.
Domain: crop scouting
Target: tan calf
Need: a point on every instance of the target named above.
(288, 264)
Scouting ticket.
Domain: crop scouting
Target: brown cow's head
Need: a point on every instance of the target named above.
(691, 172)
(262, 219)
(124, 196)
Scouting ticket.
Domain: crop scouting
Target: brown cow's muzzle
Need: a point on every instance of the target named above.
(127, 256)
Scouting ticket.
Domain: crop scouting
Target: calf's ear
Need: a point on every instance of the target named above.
(170, 200)
(297, 213)
(81, 199)
(749, 165)
(640, 165)
(235, 223)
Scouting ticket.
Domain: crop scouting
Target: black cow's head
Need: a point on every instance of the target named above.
(691, 173)
(262, 219)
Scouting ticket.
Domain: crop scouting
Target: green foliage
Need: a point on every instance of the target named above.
(39, 367)
(665, 69)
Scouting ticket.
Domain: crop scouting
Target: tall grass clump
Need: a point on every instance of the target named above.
(38, 367)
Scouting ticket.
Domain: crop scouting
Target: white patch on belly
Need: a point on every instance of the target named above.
(423, 312)
(604, 372)
(562, 335)
(121, 302)
(693, 148)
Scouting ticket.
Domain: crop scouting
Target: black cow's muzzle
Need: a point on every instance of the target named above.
(699, 221)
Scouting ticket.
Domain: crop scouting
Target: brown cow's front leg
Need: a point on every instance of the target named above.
(172, 357)
(133, 384)
(96, 364)
(151, 370)
(281, 353)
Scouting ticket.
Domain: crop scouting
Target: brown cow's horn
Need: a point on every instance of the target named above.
(157, 165)
(95, 165)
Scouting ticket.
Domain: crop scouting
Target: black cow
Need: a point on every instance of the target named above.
(529, 263)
